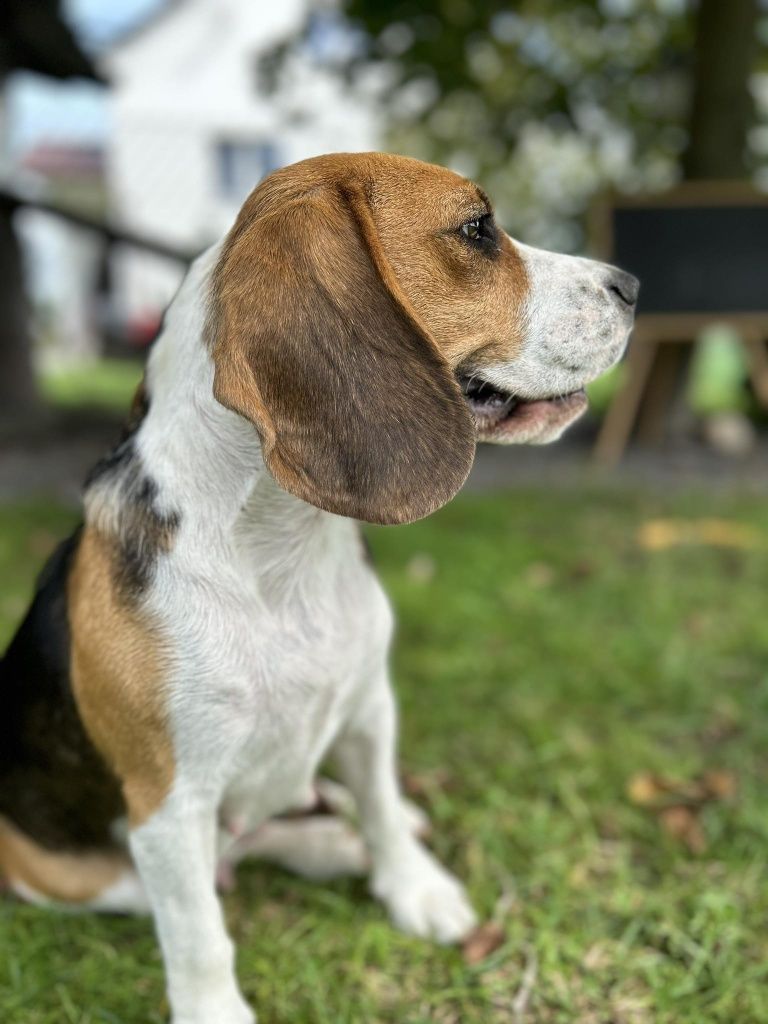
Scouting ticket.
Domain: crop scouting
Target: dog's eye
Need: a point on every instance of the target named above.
(472, 229)
(480, 230)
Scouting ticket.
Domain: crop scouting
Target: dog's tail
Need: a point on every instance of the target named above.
(88, 880)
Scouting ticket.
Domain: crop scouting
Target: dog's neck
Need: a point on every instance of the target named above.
(205, 465)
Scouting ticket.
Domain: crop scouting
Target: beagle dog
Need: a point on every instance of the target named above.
(214, 631)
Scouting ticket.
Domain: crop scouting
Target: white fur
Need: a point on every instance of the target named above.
(574, 329)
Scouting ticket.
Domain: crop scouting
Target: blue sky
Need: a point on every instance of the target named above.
(97, 21)
(42, 109)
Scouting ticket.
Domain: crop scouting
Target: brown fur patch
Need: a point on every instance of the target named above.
(66, 877)
(472, 305)
(118, 668)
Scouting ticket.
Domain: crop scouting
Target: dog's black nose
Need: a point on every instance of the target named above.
(624, 286)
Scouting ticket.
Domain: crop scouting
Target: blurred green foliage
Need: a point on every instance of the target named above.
(104, 384)
(541, 99)
(718, 372)
(547, 102)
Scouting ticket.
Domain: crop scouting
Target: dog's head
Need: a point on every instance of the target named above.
(373, 322)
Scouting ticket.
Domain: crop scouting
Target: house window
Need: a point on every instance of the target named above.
(241, 165)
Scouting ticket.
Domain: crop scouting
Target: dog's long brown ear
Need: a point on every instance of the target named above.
(357, 410)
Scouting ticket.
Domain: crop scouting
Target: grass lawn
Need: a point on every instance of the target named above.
(545, 660)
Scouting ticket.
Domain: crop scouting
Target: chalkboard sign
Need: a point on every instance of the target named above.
(698, 249)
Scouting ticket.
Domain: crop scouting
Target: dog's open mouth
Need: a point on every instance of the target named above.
(507, 418)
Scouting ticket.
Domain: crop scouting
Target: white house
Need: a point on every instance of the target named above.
(193, 130)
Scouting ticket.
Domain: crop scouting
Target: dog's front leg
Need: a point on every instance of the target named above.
(175, 854)
(422, 897)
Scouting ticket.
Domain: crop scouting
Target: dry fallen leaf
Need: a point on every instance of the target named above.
(643, 789)
(678, 802)
(646, 789)
(482, 941)
(720, 784)
(682, 823)
(660, 534)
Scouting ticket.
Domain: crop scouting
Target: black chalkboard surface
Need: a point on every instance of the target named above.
(701, 253)
(694, 257)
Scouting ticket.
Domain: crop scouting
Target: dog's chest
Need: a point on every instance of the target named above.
(277, 675)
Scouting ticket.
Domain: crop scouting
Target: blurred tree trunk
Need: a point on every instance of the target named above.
(18, 390)
(720, 116)
(33, 35)
(722, 109)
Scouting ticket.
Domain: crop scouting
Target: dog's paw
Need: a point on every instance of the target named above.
(202, 1016)
(425, 900)
(230, 1010)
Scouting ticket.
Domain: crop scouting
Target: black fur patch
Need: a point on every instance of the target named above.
(54, 785)
(143, 532)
